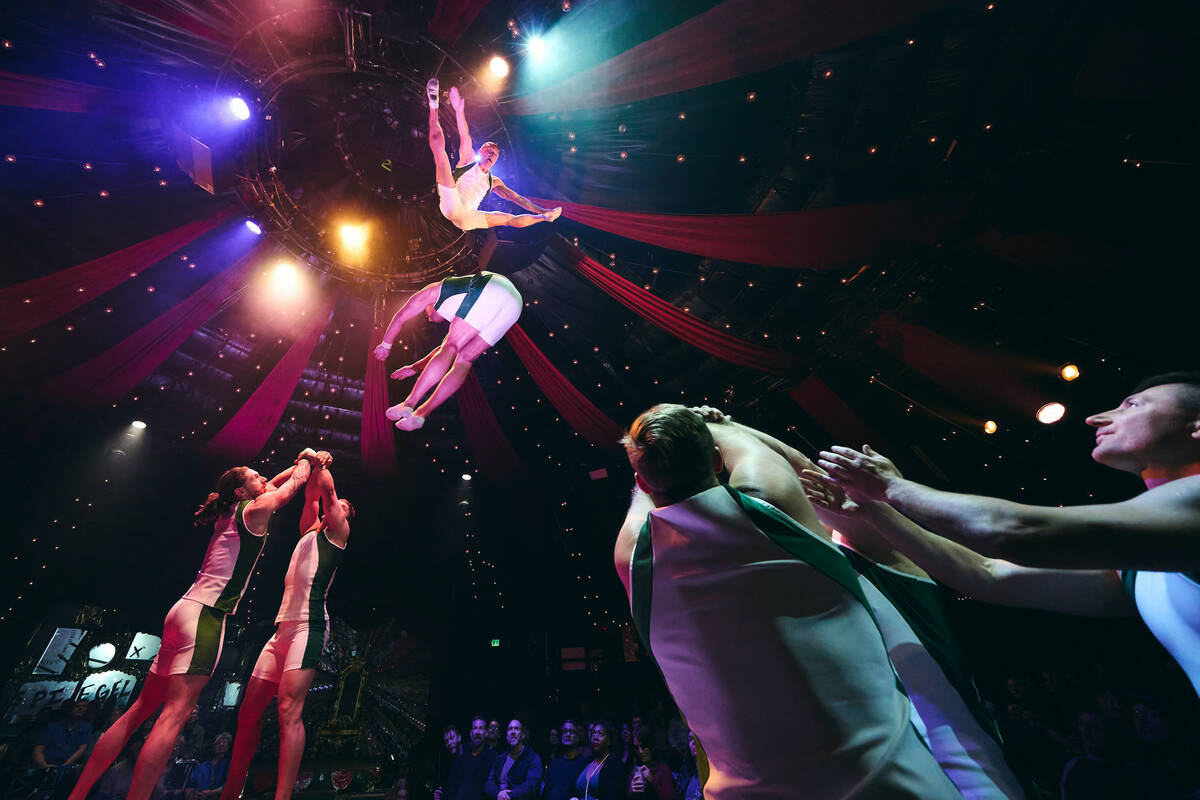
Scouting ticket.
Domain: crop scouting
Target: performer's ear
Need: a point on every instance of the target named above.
(645, 487)
(718, 462)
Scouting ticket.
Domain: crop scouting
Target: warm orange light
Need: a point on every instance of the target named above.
(990, 426)
(498, 66)
(1069, 372)
(1051, 413)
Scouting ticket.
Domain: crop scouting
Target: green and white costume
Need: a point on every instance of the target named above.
(770, 649)
(487, 301)
(962, 735)
(1169, 604)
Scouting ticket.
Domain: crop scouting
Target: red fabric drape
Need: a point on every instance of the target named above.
(178, 18)
(676, 321)
(840, 421)
(54, 94)
(493, 452)
(245, 435)
(734, 38)
(56, 294)
(452, 18)
(109, 376)
(577, 410)
(982, 380)
(377, 443)
(823, 238)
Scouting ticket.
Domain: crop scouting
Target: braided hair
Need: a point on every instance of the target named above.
(216, 502)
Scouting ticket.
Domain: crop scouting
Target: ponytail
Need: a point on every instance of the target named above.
(216, 502)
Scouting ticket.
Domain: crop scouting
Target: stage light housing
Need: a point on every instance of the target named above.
(990, 427)
(138, 424)
(1051, 413)
(466, 476)
(1069, 372)
(498, 66)
(239, 109)
(253, 227)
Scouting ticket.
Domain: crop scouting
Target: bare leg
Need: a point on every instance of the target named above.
(448, 385)
(437, 143)
(487, 248)
(497, 218)
(181, 694)
(292, 691)
(414, 368)
(437, 367)
(259, 694)
(113, 740)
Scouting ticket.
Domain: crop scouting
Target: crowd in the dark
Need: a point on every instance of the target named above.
(45, 760)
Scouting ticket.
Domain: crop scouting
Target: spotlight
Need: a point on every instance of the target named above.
(498, 66)
(253, 227)
(466, 476)
(138, 424)
(989, 426)
(285, 279)
(354, 237)
(1051, 413)
(1069, 372)
(538, 48)
(239, 109)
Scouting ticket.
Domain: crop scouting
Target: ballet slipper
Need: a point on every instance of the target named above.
(431, 91)
(552, 214)
(410, 423)
(398, 412)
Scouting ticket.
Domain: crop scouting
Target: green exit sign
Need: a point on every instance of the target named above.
(495, 642)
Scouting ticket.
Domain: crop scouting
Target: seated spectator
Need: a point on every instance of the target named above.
(516, 774)
(603, 778)
(553, 745)
(194, 735)
(172, 784)
(115, 783)
(564, 770)
(1167, 767)
(651, 778)
(628, 757)
(208, 778)
(689, 786)
(62, 745)
(469, 770)
(452, 739)
(1100, 773)
(493, 736)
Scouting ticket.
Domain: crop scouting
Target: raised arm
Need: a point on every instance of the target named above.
(414, 305)
(336, 520)
(1095, 593)
(1157, 530)
(466, 151)
(640, 505)
(259, 511)
(499, 188)
(758, 470)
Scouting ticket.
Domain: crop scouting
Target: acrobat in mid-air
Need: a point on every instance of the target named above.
(461, 189)
(480, 309)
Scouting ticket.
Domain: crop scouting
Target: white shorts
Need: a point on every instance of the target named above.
(496, 309)
(454, 209)
(295, 645)
(193, 636)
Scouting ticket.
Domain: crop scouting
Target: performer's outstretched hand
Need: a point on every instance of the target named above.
(382, 350)
(456, 99)
(864, 475)
(405, 372)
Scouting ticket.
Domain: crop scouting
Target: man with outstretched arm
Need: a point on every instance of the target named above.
(759, 624)
(1076, 559)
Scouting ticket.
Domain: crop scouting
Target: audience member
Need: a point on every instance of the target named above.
(602, 778)
(626, 754)
(172, 784)
(63, 744)
(208, 778)
(1100, 773)
(690, 786)
(517, 774)
(470, 768)
(493, 736)
(194, 736)
(563, 771)
(651, 778)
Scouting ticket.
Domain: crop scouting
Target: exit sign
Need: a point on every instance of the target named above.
(495, 642)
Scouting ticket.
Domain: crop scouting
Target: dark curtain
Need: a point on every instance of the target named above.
(27, 305)
(675, 321)
(577, 410)
(823, 238)
(986, 381)
(247, 432)
(493, 452)
(377, 443)
(107, 377)
(55, 94)
(734, 38)
(451, 18)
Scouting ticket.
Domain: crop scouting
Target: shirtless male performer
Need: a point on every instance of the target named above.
(1114, 559)
(461, 189)
(237, 513)
(480, 309)
(288, 662)
(759, 624)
